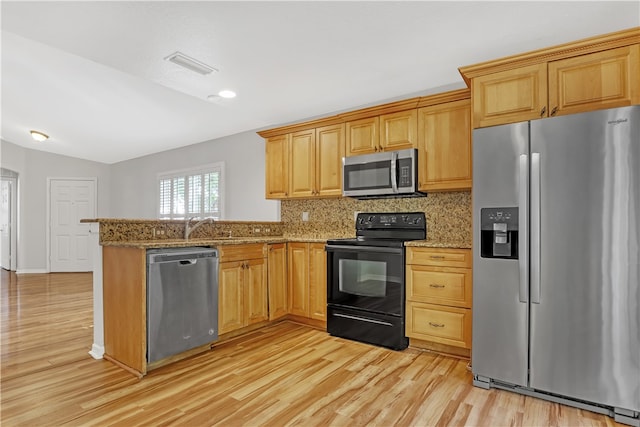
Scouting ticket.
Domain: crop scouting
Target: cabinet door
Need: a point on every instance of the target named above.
(329, 153)
(439, 323)
(317, 281)
(362, 136)
(277, 167)
(302, 164)
(510, 96)
(439, 285)
(230, 296)
(277, 280)
(255, 288)
(444, 142)
(398, 130)
(298, 257)
(596, 81)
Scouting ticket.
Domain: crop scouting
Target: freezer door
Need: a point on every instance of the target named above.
(500, 339)
(585, 261)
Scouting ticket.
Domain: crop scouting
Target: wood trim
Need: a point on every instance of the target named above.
(445, 97)
(297, 127)
(580, 47)
(377, 110)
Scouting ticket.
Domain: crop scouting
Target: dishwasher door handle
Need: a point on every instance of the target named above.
(188, 261)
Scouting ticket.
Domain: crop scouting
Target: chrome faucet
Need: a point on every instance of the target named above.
(188, 229)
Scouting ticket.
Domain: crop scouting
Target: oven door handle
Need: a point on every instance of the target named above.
(363, 319)
(360, 249)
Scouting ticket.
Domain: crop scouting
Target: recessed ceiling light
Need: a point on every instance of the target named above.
(227, 93)
(190, 63)
(39, 136)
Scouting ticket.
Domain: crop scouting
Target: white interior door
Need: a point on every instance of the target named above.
(70, 201)
(5, 223)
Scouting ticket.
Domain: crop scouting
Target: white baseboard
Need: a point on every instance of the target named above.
(97, 351)
(32, 271)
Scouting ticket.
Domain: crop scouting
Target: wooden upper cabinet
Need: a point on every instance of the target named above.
(510, 96)
(330, 149)
(302, 164)
(277, 167)
(362, 136)
(398, 130)
(585, 75)
(316, 162)
(444, 144)
(599, 80)
(387, 132)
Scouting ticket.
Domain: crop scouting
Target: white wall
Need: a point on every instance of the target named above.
(134, 182)
(33, 168)
(129, 189)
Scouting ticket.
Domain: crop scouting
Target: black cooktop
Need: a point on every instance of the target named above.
(386, 229)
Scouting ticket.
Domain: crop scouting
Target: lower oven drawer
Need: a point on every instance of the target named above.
(373, 328)
(436, 323)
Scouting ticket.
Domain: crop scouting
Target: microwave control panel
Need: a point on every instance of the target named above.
(405, 172)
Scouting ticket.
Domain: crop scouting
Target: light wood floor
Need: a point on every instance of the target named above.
(286, 374)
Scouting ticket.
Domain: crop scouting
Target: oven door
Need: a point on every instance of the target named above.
(368, 278)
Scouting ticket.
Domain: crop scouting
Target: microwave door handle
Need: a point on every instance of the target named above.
(394, 171)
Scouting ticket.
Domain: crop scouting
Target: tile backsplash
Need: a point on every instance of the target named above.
(448, 215)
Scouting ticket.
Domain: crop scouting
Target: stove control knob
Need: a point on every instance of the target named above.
(418, 220)
(370, 219)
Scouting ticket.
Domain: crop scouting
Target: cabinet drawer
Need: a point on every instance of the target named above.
(241, 252)
(446, 325)
(439, 257)
(439, 285)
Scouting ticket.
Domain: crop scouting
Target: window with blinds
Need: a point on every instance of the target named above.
(191, 193)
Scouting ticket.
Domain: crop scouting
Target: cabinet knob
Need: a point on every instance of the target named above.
(544, 110)
(554, 111)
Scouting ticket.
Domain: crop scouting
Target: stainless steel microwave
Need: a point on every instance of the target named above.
(385, 174)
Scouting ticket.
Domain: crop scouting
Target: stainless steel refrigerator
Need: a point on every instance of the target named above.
(556, 267)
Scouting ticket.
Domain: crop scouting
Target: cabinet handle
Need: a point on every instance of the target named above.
(437, 257)
(554, 111)
(436, 285)
(437, 325)
(544, 110)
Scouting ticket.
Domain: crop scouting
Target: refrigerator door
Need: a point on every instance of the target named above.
(500, 339)
(585, 235)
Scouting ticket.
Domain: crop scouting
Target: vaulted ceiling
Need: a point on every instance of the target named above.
(92, 75)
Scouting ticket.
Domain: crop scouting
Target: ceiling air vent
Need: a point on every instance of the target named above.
(190, 63)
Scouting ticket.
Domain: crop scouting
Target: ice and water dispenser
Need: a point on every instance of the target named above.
(499, 233)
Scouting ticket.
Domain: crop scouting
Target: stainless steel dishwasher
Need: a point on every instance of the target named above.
(182, 300)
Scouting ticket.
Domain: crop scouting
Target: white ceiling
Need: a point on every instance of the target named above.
(93, 77)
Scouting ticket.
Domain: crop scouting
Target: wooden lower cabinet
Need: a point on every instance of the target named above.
(242, 286)
(441, 324)
(439, 296)
(277, 281)
(124, 293)
(307, 275)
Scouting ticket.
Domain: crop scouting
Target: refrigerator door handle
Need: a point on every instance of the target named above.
(523, 221)
(535, 228)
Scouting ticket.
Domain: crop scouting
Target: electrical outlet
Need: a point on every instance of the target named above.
(267, 230)
(256, 230)
(305, 216)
